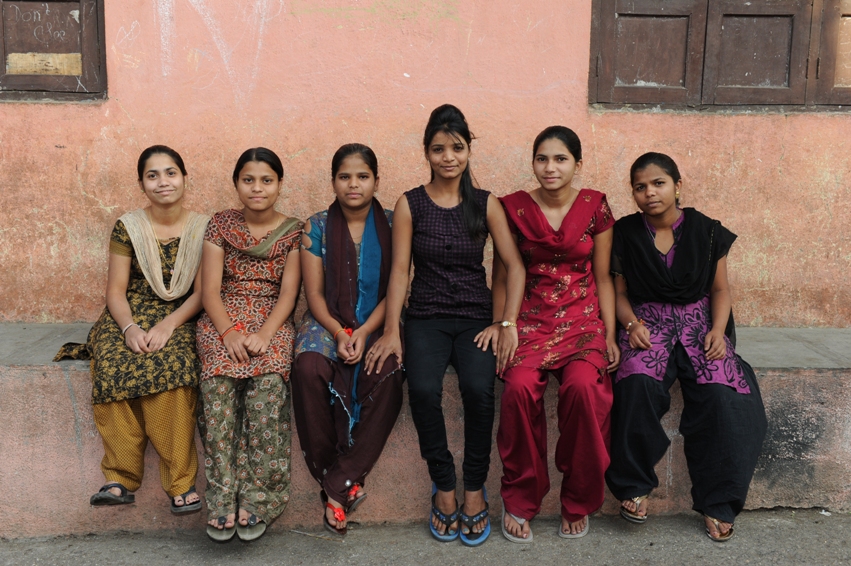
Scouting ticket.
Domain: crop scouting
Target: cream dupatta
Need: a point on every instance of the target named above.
(147, 250)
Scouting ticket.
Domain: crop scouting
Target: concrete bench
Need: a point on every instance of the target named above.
(51, 451)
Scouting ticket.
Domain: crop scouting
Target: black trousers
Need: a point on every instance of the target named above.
(431, 345)
(722, 431)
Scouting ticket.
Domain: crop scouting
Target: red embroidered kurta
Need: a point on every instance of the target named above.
(560, 316)
(250, 289)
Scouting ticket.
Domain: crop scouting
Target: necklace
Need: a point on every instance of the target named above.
(156, 238)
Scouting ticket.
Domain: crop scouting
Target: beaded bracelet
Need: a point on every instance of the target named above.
(637, 321)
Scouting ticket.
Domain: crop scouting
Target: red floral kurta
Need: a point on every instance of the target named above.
(560, 316)
(250, 289)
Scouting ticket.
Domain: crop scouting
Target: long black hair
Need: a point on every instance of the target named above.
(259, 155)
(449, 120)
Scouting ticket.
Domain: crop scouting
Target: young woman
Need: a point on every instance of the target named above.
(344, 415)
(567, 328)
(674, 303)
(443, 226)
(144, 365)
(251, 279)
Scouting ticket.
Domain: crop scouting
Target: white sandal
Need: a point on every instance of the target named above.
(521, 522)
(580, 534)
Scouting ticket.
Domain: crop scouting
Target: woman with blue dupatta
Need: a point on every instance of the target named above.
(344, 415)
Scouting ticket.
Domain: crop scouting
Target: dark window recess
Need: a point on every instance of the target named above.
(52, 50)
(681, 53)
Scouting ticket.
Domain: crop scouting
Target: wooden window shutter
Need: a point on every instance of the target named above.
(756, 52)
(650, 51)
(833, 70)
(52, 47)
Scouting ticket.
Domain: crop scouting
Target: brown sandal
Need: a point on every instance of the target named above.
(722, 537)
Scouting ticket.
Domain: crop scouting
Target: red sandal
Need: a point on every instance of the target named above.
(339, 515)
(353, 497)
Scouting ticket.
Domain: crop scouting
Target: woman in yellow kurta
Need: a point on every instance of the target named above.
(144, 365)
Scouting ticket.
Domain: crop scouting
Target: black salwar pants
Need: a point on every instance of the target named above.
(722, 430)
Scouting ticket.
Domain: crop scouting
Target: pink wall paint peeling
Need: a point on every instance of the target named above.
(212, 78)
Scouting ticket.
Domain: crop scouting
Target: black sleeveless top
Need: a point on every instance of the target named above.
(449, 278)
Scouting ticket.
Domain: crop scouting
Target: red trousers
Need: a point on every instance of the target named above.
(582, 451)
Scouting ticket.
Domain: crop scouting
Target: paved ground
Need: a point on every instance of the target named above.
(781, 536)
(35, 344)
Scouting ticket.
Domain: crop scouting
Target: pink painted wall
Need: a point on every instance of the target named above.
(213, 77)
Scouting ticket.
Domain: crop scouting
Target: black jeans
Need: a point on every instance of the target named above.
(430, 346)
(722, 431)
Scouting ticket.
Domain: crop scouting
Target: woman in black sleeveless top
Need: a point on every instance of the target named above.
(443, 226)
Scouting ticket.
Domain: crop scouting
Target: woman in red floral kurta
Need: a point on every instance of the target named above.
(566, 327)
(250, 275)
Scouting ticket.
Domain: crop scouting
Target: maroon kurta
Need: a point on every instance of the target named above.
(560, 331)
(560, 316)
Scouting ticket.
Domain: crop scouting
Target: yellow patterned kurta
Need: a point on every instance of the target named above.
(118, 373)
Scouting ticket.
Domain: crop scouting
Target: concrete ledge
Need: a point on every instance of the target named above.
(51, 449)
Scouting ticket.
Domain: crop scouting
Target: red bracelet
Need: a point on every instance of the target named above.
(238, 327)
(345, 329)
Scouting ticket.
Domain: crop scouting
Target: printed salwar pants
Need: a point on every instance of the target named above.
(246, 431)
(167, 419)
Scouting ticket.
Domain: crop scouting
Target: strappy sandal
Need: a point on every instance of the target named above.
(339, 515)
(473, 538)
(520, 521)
(447, 520)
(223, 534)
(721, 537)
(105, 497)
(353, 497)
(634, 517)
(253, 530)
(580, 534)
(186, 508)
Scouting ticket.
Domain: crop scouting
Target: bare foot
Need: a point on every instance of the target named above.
(332, 519)
(446, 503)
(229, 523)
(515, 529)
(717, 532)
(190, 499)
(474, 503)
(575, 527)
(640, 509)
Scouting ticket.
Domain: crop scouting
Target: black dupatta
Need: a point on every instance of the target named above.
(702, 243)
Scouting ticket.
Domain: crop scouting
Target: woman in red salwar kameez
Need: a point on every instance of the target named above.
(566, 327)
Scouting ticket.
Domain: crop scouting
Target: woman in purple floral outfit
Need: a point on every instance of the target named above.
(674, 303)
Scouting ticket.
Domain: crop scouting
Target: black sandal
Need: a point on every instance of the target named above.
(186, 508)
(105, 497)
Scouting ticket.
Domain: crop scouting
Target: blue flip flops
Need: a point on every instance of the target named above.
(447, 520)
(471, 538)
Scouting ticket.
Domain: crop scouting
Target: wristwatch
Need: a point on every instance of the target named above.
(507, 323)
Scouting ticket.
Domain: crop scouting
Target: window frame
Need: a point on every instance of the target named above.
(90, 86)
(816, 67)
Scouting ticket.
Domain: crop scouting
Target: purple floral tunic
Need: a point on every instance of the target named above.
(686, 324)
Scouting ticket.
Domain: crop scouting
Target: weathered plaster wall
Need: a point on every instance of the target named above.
(212, 78)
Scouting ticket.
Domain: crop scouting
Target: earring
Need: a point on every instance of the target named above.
(677, 195)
